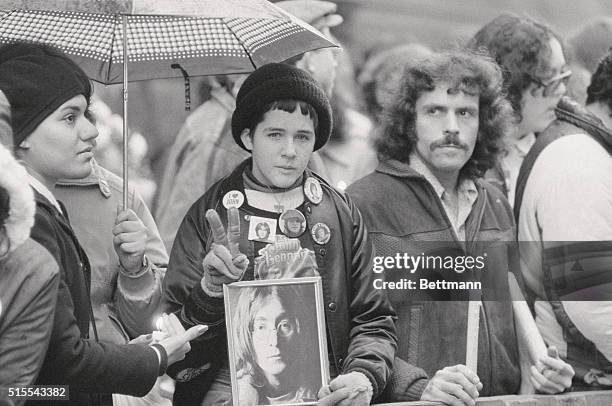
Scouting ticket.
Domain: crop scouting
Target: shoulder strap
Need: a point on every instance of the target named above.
(568, 112)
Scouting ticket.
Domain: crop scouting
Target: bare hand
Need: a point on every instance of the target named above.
(177, 342)
(456, 385)
(224, 263)
(555, 376)
(130, 240)
(353, 388)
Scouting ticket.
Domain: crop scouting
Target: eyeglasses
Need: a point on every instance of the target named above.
(283, 328)
(553, 83)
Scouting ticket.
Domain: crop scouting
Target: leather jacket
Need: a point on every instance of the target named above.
(433, 332)
(359, 319)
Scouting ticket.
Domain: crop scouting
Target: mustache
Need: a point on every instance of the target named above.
(449, 139)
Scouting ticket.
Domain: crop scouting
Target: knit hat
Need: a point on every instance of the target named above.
(37, 79)
(276, 81)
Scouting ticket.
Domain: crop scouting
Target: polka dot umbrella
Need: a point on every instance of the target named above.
(165, 39)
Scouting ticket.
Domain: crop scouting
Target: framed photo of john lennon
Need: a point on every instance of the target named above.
(276, 341)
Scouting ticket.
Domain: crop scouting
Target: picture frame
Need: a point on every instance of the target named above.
(277, 341)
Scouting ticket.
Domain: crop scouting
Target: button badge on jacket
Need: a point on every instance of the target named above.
(233, 198)
(321, 233)
(313, 191)
(292, 223)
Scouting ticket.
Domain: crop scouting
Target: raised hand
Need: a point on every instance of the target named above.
(224, 263)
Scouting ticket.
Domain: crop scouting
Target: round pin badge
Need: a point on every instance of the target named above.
(321, 233)
(313, 191)
(292, 223)
(233, 198)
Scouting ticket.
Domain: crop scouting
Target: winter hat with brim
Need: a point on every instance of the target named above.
(276, 81)
(36, 80)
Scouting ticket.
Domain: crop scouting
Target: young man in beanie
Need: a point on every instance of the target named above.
(203, 152)
(53, 138)
(282, 115)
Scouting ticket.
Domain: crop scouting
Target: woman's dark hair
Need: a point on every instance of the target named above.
(600, 89)
(462, 71)
(521, 46)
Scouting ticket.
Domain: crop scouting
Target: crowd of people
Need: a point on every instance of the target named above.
(478, 150)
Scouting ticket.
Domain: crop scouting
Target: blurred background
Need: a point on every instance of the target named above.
(157, 110)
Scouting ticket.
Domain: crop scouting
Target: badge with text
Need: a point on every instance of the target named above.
(292, 223)
(321, 233)
(262, 229)
(285, 259)
(313, 191)
(233, 198)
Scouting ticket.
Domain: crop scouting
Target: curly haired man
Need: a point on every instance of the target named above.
(438, 138)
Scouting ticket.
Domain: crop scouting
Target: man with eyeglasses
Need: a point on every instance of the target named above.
(535, 79)
(563, 207)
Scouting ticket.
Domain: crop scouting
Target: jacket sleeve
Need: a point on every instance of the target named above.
(85, 364)
(137, 300)
(406, 384)
(35, 281)
(183, 294)
(373, 339)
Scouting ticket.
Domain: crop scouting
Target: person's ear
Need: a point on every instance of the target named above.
(247, 139)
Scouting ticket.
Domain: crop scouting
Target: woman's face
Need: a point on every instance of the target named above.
(62, 145)
(274, 334)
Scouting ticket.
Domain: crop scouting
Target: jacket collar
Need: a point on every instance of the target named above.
(224, 98)
(234, 180)
(43, 191)
(570, 111)
(399, 169)
(95, 178)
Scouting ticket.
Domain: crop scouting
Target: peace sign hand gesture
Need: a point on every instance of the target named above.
(224, 263)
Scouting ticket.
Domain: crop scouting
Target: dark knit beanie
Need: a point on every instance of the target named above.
(276, 81)
(36, 80)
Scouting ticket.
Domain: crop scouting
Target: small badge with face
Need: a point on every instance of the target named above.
(292, 223)
(233, 198)
(313, 191)
(262, 229)
(320, 233)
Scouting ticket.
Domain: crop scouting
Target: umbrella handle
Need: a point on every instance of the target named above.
(187, 85)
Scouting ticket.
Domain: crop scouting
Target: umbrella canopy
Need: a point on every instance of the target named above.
(165, 38)
(204, 37)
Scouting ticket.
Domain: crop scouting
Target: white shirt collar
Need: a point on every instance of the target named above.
(466, 186)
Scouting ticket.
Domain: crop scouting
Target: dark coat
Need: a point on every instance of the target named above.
(73, 359)
(359, 319)
(412, 219)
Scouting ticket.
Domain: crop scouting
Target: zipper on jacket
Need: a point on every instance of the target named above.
(472, 238)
